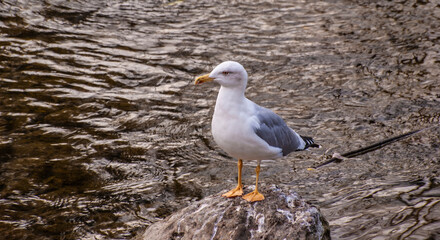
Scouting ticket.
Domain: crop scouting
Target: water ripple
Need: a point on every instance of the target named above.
(103, 132)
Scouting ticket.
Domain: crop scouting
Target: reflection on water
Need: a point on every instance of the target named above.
(103, 133)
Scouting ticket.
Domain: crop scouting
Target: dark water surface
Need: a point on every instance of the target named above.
(103, 132)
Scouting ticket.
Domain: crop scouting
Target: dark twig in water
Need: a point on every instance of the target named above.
(372, 147)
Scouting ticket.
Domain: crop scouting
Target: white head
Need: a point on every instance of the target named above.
(228, 74)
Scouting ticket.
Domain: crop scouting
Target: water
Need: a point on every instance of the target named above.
(103, 132)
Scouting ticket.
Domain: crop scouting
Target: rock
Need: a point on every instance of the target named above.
(282, 215)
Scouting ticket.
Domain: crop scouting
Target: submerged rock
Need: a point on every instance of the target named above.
(282, 215)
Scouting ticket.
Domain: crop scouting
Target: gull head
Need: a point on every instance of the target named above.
(228, 74)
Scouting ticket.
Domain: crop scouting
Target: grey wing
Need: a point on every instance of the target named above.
(276, 133)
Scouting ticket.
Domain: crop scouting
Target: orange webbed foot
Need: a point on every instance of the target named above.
(254, 196)
(236, 192)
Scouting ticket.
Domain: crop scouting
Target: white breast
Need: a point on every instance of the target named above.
(233, 127)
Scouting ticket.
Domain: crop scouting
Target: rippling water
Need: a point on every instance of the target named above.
(103, 133)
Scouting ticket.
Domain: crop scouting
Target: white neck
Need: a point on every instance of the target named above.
(229, 99)
(235, 95)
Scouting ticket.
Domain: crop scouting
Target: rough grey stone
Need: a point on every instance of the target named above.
(282, 215)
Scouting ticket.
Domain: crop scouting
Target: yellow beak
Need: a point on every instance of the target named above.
(202, 79)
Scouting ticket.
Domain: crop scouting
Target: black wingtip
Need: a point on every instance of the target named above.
(310, 142)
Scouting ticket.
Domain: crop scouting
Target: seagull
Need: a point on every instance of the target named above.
(245, 130)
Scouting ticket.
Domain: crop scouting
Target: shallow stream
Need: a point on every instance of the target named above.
(102, 131)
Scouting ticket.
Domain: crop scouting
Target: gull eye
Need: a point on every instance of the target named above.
(226, 73)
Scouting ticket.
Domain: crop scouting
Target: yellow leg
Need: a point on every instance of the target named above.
(255, 195)
(238, 191)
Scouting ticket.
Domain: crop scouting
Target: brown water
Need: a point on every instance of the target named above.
(103, 132)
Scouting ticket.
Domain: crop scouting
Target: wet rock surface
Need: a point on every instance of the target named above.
(282, 215)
